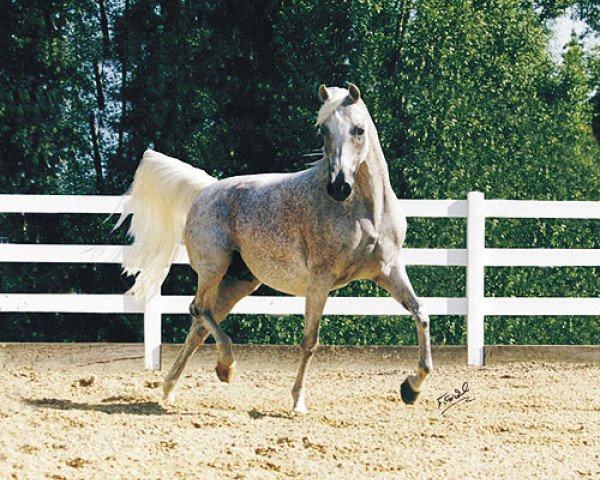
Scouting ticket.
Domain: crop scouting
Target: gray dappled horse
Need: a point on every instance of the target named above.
(304, 233)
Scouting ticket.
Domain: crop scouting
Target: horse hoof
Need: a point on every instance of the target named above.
(225, 373)
(169, 393)
(408, 393)
(169, 398)
(300, 408)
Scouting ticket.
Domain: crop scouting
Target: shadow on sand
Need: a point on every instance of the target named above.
(256, 415)
(126, 405)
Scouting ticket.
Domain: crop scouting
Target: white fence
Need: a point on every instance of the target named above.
(475, 258)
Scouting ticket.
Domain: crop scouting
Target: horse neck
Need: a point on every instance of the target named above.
(374, 179)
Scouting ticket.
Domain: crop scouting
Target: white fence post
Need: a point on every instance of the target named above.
(153, 331)
(475, 278)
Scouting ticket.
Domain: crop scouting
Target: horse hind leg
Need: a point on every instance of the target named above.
(199, 330)
(195, 338)
(229, 291)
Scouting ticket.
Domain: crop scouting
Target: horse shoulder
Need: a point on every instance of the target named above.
(385, 238)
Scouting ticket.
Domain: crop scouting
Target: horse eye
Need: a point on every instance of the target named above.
(358, 131)
(323, 130)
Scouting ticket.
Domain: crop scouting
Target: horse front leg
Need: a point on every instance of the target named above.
(395, 280)
(316, 297)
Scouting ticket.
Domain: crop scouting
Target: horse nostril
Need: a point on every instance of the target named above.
(345, 190)
(339, 192)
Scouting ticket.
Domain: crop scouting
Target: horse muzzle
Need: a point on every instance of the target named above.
(339, 189)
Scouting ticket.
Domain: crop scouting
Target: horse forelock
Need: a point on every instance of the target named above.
(337, 96)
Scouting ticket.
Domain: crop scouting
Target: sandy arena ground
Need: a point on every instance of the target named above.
(72, 420)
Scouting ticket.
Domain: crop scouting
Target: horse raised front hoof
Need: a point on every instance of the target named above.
(408, 393)
(225, 373)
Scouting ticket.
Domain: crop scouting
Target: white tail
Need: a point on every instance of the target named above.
(162, 194)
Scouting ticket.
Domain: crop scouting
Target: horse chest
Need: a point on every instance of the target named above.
(350, 257)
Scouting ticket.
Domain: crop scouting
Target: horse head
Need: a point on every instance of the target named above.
(343, 120)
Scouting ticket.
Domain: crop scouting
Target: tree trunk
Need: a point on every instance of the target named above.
(99, 89)
(596, 117)
(96, 153)
(104, 26)
(124, 55)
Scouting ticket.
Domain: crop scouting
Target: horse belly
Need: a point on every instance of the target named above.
(288, 275)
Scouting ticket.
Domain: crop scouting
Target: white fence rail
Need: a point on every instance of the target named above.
(475, 306)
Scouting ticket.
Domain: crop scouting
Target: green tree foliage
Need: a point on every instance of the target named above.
(229, 91)
(464, 93)
(44, 94)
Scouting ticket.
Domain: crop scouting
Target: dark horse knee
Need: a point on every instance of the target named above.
(195, 310)
(426, 366)
(310, 346)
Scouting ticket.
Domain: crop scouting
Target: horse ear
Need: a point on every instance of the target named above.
(323, 95)
(353, 92)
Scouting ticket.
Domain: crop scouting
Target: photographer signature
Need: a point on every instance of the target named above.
(449, 400)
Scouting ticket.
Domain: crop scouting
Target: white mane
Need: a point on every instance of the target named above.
(335, 99)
